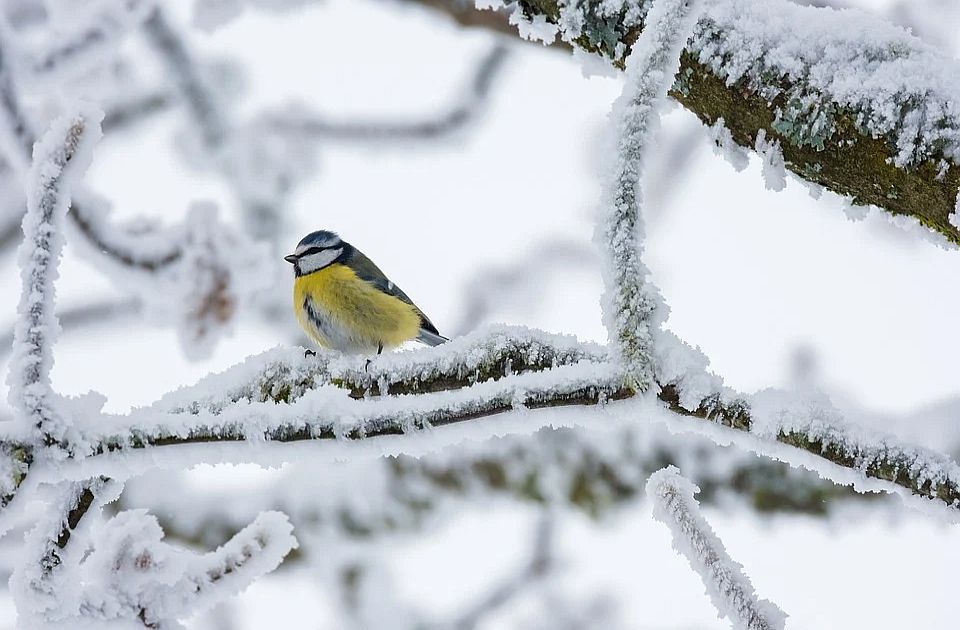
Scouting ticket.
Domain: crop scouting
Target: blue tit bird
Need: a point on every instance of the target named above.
(344, 302)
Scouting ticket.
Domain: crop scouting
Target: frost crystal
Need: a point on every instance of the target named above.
(771, 157)
(729, 588)
(726, 147)
(534, 29)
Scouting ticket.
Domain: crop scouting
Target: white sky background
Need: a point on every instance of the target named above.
(750, 275)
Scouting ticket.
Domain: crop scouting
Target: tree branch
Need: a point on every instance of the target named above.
(60, 158)
(891, 143)
(264, 399)
(729, 588)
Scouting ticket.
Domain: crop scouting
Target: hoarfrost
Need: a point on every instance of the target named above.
(896, 85)
(771, 158)
(535, 29)
(726, 147)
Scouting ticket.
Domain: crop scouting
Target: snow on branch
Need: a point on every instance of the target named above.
(729, 588)
(281, 396)
(60, 159)
(43, 582)
(859, 106)
(132, 574)
(122, 569)
(285, 375)
(632, 307)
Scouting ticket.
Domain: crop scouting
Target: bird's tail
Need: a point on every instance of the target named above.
(431, 338)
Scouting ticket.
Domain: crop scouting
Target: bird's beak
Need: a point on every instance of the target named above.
(292, 258)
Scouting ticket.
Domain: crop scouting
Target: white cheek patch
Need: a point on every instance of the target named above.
(313, 262)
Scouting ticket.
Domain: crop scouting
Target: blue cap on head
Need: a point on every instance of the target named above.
(320, 238)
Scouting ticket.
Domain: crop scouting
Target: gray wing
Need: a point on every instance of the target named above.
(368, 271)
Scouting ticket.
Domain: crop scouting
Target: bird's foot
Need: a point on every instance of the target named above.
(309, 353)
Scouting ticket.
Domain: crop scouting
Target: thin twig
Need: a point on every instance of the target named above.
(467, 109)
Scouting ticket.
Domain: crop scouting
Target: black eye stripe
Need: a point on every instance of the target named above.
(314, 250)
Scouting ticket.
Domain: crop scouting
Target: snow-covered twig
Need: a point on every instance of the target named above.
(729, 588)
(60, 159)
(41, 583)
(633, 309)
(468, 107)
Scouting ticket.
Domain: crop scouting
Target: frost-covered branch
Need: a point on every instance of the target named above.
(858, 106)
(467, 108)
(633, 308)
(122, 570)
(729, 588)
(45, 576)
(60, 159)
(331, 397)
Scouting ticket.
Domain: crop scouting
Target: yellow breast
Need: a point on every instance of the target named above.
(349, 314)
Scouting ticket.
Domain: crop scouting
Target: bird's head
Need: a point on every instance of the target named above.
(315, 251)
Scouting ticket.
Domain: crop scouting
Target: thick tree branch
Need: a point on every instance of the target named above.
(904, 161)
(263, 399)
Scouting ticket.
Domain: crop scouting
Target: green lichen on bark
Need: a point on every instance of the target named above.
(851, 162)
(838, 155)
